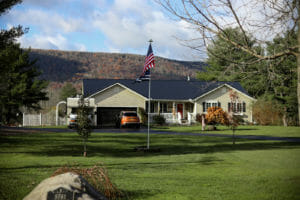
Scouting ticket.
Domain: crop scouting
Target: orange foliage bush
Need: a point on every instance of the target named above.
(216, 115)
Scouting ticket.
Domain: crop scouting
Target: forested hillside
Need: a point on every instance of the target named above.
(61, 66)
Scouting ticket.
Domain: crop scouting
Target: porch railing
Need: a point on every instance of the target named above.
(175, 119)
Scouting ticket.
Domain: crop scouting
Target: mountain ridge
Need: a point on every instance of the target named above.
(72, 66)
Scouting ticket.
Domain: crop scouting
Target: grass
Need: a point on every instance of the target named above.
(187, 167)
(277, 131)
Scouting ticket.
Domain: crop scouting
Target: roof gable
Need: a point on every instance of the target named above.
(160, 89)
(111, 86)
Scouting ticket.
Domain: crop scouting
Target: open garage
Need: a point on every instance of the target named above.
(106, 116)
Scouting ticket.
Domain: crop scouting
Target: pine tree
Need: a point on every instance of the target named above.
(20, 86)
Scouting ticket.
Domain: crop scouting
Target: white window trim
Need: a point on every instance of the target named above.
(211, 102)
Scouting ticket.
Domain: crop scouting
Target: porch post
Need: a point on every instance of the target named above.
(195, 108)
(95, 116)
(158, 107)
(174, 111)
(183, 111)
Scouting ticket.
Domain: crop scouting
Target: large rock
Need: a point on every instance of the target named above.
(68, 186)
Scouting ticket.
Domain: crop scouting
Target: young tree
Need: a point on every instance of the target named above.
(234, 119)
(84, 124)
(264, 18)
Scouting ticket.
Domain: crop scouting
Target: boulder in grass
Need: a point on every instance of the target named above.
(67, 186)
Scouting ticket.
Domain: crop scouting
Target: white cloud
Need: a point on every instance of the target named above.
(47, 22)
(131, 23)
(253, 16)
(58, 42)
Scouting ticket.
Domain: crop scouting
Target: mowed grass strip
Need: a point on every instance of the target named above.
(276, 131)
(187, 167)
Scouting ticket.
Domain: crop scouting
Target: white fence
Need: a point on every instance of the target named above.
(47, 119)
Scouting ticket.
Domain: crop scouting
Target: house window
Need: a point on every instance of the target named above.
(209, 104)
(237, 107)
(163, 107)
(151, 107)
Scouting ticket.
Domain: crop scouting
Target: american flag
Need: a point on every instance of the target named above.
(149, 63)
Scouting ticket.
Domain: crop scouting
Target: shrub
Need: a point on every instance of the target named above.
(159, 120)
(216, 115)
(143, 115)
(199, 118)
(266, 112)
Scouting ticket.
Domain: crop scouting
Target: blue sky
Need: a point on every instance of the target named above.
(122, 26)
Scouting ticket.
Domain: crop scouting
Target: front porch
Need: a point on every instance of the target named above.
(175, 112)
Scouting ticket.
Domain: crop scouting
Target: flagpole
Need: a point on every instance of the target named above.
(149, 107)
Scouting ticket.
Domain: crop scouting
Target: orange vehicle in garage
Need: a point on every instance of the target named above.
(128, 119)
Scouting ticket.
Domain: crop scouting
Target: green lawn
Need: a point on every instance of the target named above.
(278, 131)
(188, 167)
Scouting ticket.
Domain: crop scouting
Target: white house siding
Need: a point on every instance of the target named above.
(222, 95)
(118, 96)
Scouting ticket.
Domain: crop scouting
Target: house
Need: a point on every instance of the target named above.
(177, 100)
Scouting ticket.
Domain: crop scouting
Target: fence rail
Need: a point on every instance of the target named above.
(41, 119)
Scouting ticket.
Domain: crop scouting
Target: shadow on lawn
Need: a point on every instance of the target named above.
(222, 130)
(120, 145)
(165, 149)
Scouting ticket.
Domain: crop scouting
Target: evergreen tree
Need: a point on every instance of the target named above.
(274, 79)
(226, 62)
(67, 91)
(19, 83)
(283, 78)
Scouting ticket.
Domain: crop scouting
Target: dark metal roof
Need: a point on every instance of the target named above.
(160, 89)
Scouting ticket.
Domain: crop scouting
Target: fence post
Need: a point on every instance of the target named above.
(23, 119)
(40, 119)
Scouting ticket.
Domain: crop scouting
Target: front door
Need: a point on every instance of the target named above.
(180, 109)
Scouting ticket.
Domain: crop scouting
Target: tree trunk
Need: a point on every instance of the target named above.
(284, 120)
(233, 136)
(203, 122)
(84, 147)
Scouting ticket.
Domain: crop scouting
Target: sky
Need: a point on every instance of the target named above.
(118, 26)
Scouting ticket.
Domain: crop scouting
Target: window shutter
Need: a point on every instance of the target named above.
(146, 106)
(203, 105)
(229, 107)
(219, 104)
(244, 107)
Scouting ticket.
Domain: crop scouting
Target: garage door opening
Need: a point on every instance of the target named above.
(107, 116)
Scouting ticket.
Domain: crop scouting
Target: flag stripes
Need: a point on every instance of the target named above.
(149, 62)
